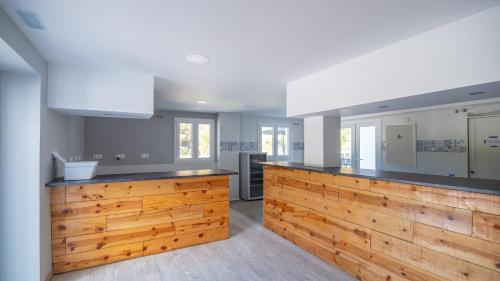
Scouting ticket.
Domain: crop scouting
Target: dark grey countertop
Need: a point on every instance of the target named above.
(144, 176)
(457, 183)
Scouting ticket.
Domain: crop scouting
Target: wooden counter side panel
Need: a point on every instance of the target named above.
(94, 258)
(118, 190)
(95, 208)
(453, 198)
(442, 264)
(357, 183)
(454, 219)
(102, 223)
(464, 247)
(486, 226)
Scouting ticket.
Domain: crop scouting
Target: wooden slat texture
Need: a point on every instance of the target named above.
(131, 220)
(57, 195)
(454, 219)
(182, 199)
(474, 250)
(58, 247)
(118, 190)
(67, 228)
(184, 240)
(486, 226)
(410, 232)
(95, 208)
(94, 258)
(453, 198)
(439, 263)
(357, 183)
(200, 224)
(109, 239)
(102, 223)
(197, 183)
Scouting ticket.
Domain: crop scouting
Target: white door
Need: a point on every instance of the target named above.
(367, 136)
(484, 148)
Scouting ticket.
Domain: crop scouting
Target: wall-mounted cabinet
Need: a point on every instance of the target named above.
(87, 91)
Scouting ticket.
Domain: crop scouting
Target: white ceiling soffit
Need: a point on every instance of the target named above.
(11, 62)
(254, 47)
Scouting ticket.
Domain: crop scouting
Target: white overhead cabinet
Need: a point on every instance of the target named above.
(89, 91)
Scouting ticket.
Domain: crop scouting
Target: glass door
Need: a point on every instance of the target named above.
(367, 145)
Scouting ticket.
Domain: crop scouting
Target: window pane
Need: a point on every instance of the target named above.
(345, 146)
(203, 140)
(282, 141)
(185, 140)
(267, 140)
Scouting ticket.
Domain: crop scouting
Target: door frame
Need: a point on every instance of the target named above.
(470, 152)
(356, 124)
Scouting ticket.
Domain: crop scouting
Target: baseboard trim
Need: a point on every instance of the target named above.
(49, 276)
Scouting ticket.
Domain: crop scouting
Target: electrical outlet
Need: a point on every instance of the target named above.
(119, 156)
(97, 156)
(144, 155)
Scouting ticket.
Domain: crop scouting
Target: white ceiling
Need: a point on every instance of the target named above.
(255, 47)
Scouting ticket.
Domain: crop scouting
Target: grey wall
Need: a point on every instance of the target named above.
(53, 131)
(111, 136)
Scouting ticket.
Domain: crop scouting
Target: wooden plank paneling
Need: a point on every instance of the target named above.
(68, 228)
(184, 240)
(137, 219)
(181, 199)
(95, 208)
(58, 247)
(94, 258)
(454, 219)
(357, 183)
(486, 226)
(453, 198)
(58, 195)
(474, 250)
(118, 190)
(302, 185)
(216, 209)
(200, 224)
(439, 263)
(197, 183)
(115, 238)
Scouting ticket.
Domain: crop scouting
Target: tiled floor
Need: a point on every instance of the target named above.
(252, 253)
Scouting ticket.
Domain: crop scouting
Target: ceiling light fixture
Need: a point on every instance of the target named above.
(476, 93)
(202, 102)
(197, 59)
(31, 19)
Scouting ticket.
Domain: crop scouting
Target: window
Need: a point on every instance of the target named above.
(194, 140)
(275, 140)
(346, 146)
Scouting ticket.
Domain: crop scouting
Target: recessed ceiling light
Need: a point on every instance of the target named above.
(198, 59)
(31, 19)
(476, 93)
(383, 106)
(202, 102)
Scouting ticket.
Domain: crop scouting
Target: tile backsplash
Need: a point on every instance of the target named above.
(250, 146)
(456, 146)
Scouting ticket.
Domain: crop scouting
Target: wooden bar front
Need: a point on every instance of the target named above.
(380, 230)
(101, 223)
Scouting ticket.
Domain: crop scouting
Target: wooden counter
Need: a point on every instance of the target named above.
(100, 223)
(383, 230)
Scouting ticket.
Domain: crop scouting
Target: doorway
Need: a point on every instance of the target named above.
(361, 144)
(484, 147)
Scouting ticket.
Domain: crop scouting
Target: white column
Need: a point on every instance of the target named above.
(322, 141)
(228, 130)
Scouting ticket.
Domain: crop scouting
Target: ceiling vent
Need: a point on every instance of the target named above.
(31, 19)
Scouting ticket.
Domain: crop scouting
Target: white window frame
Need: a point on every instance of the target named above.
(275, 140)
(195, 158)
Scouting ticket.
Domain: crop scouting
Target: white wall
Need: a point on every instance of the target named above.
(459, 54)
(434, 124)
(55, 131)
(228, 125)
(87, 91)
(19, 176)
